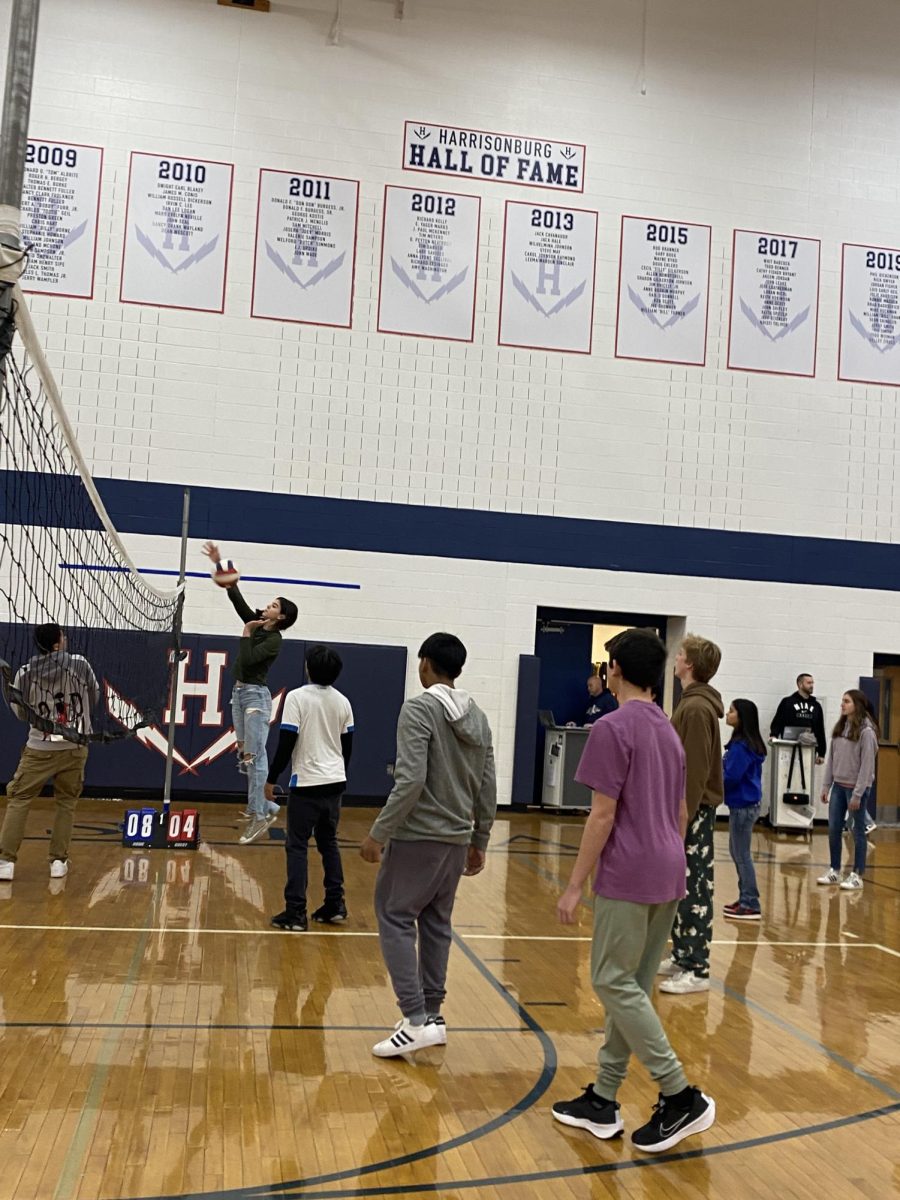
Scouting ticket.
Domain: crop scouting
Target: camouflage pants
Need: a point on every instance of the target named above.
(692, 931)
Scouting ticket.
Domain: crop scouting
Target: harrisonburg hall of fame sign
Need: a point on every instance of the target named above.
(484, 154)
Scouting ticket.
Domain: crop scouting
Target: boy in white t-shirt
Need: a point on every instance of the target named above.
(317, 739)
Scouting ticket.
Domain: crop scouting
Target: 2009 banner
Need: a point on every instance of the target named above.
(429, 262)
(176, 232)
(774, 303)
(663, 291)
(305, 248)
(547, 282)
(60, 209)
(870, 315)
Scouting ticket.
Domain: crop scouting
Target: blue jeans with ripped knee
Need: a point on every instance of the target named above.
(251, 711)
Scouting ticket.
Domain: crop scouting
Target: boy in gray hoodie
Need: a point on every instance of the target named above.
(433, 829)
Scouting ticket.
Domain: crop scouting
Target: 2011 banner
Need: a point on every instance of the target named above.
(176, 232)
(774, 303)
(870, 315)
(305, 248)
(663, 291)
(547, 281)
(429, 263)
(60, 209)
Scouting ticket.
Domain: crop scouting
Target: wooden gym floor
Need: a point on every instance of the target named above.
(157, 1038)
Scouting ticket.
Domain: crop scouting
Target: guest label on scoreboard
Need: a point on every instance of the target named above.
(663, 291)
(547, 281)
(305, 248)
(429, 261)
(60, 207)
(870, 315)
(774, 303)
(176, 232)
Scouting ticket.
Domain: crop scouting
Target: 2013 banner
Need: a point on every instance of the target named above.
(774, 303)
(305, 248)
(60, 209)
(547, 280)
(663, 291)
(176, 232)
(870, 315)
(429, 263)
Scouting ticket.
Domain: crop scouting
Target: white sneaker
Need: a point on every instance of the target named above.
(272, 812)
(870, 827)
(830, 877)
(684, 981)
(668, 966)
(58, 868)
(852, 883)
(257, 827)
(408, 1037)
(7, 869)
(441, 1026)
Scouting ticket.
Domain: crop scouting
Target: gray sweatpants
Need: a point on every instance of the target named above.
(414, 896)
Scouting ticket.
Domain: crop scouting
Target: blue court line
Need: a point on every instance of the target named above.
(545, 1078)
(354, 587)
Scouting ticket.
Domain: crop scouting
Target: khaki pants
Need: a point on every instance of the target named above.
(36, 768)
(628, 943)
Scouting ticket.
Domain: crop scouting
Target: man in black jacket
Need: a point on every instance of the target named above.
(801, 710)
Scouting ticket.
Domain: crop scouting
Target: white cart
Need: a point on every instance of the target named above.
(779, 779)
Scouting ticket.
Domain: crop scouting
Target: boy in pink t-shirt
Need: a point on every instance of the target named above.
(634, 836)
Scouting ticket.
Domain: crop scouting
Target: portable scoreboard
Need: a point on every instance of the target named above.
(152, 829)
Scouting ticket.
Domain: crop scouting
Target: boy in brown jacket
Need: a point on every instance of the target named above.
(696, 722)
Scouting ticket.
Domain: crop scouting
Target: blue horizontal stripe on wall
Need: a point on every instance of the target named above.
(228, 514)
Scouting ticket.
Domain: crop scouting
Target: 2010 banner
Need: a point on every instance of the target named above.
(60, 210)
(547, 281)
(176, 232)
(305, 248)
(870, 315)
(429, 263)
(774, 303)
(663, 291)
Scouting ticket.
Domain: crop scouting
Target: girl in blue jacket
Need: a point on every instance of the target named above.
(742, 772)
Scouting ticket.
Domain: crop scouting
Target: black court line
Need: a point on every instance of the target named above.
(296, 1186)
(144, 1025)
(545, 1003)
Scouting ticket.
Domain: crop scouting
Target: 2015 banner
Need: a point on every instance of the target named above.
(60, 209)
(870, 315)
(176, 232)
(547, 281)
(663, 291)
(305, 248)
(774, 303)
(429, 263)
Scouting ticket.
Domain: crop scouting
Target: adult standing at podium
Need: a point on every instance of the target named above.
(802, 711)
(602, 700)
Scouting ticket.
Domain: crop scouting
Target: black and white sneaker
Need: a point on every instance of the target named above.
(407, 1038)
(331, 914)
(591, 1112)
(675, 1118)
(290, 922)
(441, 1026)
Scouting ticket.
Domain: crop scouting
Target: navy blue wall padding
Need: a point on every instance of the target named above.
(565, 665)
(526, 729)
(373, 679)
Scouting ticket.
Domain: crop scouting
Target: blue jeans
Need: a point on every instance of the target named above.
(740, 830)
(251, 711)
(838, 808)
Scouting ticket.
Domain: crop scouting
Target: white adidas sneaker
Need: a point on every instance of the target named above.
(408, 1038)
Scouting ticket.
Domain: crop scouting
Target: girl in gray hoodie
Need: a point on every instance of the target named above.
(849, 775)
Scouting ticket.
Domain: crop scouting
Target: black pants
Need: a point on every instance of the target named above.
(312, 816)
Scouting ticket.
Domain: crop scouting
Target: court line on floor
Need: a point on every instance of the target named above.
(198, 1025)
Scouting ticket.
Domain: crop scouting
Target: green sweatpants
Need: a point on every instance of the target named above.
(628, 943)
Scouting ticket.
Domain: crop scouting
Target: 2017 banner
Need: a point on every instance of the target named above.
(663, 291)
(547, 281)
(60, 209)
(870, 315)
(305, 248)
(774, 303)
(429, 264)
(176, 232)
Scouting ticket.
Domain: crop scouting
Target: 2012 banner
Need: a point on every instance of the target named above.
(663, 291)
(60, 209)
(774, 303)
(870, 315)
(429, 263)
(305, 248)
(176, 232)
(547, 281)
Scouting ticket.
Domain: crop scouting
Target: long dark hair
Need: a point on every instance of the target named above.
(747, 728)
(862, 712)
